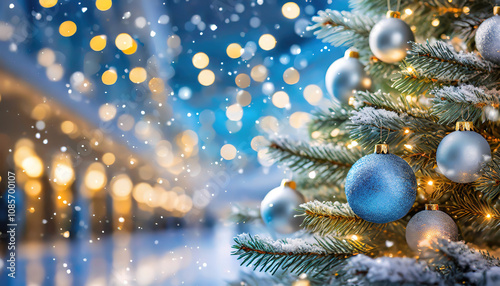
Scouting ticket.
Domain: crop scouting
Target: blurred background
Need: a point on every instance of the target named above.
(134, 128)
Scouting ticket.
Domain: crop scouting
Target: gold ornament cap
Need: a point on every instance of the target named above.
(289, 183)
(496, 10)
(393, 14)
(464, 126)
(431, 207)
(382, 148)
(351, 54)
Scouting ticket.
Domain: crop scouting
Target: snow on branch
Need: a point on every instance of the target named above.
(464, 102)
(390, 271)
(459, 263)
(294, 255)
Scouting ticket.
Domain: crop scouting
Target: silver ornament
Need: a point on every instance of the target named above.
(278, 208)
(389, 38)
(345, 76)
(461, 154)
(488, 39)
(429, 225)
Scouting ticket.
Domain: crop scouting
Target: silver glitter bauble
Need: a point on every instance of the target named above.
(345, 76)
(278, 208)
(428, 226)
(488, 39)
(389, 39)
(461, 155)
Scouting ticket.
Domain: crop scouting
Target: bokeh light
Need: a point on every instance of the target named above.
(138, 75)
(32, 166)
(109, 77)
(290, 10)
(48, 3)
(259, 73)
(174, 41)
(291, 76)
(121, 186)
(68, 127)
(98, 43)
(67, 28)
(234, 112)
(313, 94)
(206, 77)
(108, 158)
(267, 42)
(299, 119)
(124, 41)
(243, 98)
(228, 152)
(242, 80)
(103, 5)
(200, 60)
(107, 112)
(46, 57)
(156, 85)
(234, 51)
(95, 177)
(280, 99)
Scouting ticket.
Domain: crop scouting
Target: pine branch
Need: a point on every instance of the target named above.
(370, 126)
(489, 183)
(329, 163)
(294, 255)
(411, 82)
(433, 65)
(463, 102)
(343, 29)
(334, 218)
(325, 122)
(399, 105)
(470, 210)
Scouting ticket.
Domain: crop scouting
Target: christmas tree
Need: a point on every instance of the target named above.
(419, 84)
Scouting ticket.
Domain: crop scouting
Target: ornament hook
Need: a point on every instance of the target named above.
(289, 183)
(431, 207)
(382, 148)
(464, 126)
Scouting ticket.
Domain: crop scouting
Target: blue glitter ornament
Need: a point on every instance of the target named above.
(488, 37)
(461, 154)
(278, 208)
(345, 76)
(381, 187)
